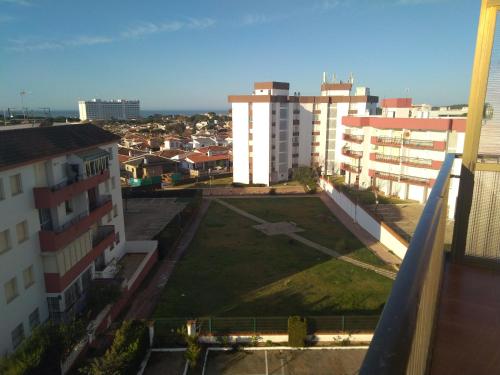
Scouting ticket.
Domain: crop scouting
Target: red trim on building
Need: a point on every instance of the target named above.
(55, 283)
(396, 103)
(45, 197)
(53, 241)
(429, 124)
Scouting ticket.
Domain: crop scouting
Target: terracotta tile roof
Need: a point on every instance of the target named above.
(24, 146)
(206, 149)
(196, 157)
(169, 153)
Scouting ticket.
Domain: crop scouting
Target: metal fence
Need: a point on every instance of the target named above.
(226, 326)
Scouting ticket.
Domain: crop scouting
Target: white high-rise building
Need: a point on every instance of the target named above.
(274, 132)
(120, 109)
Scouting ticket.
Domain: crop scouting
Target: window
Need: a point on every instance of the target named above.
(22, 231)
(117, 237)
(4, 241)
(17, 335)
(10, 288)
(16, 186)
(115, 211)
(29, 277)
(2, 193)
(34, 319)
(113, 183)
(69, 207)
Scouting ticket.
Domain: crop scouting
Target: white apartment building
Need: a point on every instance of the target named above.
(119, 109)
(274, 132)
(399, 154)
(61, 222)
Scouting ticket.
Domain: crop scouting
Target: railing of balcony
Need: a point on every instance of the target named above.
(353, 138)
(350, 168)
(352, 153)
(387, 158)
(401, 343)
(418, 143)
(414, 179)
(101, 233)
(416, 161)
(388, 141)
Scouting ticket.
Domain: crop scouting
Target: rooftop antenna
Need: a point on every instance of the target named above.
(324, 77)
(334, 78)
(407, 92)
(351, 79)
(22, 94)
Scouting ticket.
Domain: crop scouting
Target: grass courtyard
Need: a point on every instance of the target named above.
(232, 269)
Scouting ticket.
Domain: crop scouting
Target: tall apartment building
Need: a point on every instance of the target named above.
(61, 221)
(274, 132)
(399, 154)
(120, 109)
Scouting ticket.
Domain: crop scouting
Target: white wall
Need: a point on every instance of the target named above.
(261, 154)
(240, 143)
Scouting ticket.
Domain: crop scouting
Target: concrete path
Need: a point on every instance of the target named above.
(314, 245)
(145, 301)
(366, 238)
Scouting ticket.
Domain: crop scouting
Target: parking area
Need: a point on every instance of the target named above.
(165, 363)
(146, 217)
(341, 361)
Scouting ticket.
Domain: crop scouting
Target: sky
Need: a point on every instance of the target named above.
(193, 54)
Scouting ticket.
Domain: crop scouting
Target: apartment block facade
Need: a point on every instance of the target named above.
(61, 222)
(397, 153)
(120, 109)
(274, 132)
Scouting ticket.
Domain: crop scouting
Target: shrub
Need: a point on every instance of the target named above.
(297, 331)
(125, 354)
(43, 351)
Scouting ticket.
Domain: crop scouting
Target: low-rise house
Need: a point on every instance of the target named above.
(147, 169)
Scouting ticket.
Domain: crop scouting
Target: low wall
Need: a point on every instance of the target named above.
(378, 229)
(264, 190)
(320, 337)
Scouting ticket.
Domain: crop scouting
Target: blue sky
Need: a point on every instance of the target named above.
(192, 54)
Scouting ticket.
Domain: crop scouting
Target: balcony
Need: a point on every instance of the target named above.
(47, 197)
(384, 175)
(53, 240)
(390, 159)
(56, 283)
(409, 143)
(352, 154)
(417, 162)
(412, 180)
(353, 138)
(350, 168)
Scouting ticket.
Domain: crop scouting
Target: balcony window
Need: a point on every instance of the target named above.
(22, 231)
(4, 241)
(95, 161)
(17, 335)
(10, 289)
(34, 319)
(16, 186)
(29, 277)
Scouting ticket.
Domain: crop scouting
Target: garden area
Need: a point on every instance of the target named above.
(232, 269)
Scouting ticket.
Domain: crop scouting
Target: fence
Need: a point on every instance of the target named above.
(167, 329)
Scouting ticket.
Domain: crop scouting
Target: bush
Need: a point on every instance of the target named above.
(43, 351)
(297, 331)
(125, 354)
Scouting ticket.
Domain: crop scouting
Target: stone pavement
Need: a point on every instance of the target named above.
(146, 300)
(323, 249)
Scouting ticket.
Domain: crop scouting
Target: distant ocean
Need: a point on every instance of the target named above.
(144, 113)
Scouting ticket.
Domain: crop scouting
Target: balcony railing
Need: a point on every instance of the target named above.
(350, 168)
(415, 180)
(391, 159)
(352, 154)
(416, 162)
(53, 240)
(48, 197)
(386, 176)
(402, 341)
(410, 143)
(353, 138)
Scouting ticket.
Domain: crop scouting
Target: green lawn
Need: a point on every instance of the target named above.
(311, 214)
(231, 269)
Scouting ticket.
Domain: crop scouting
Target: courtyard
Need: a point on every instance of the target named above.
(232, 268)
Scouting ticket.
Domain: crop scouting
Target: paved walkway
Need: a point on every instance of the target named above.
(314, 245)
(365, 237)
(145, 301)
